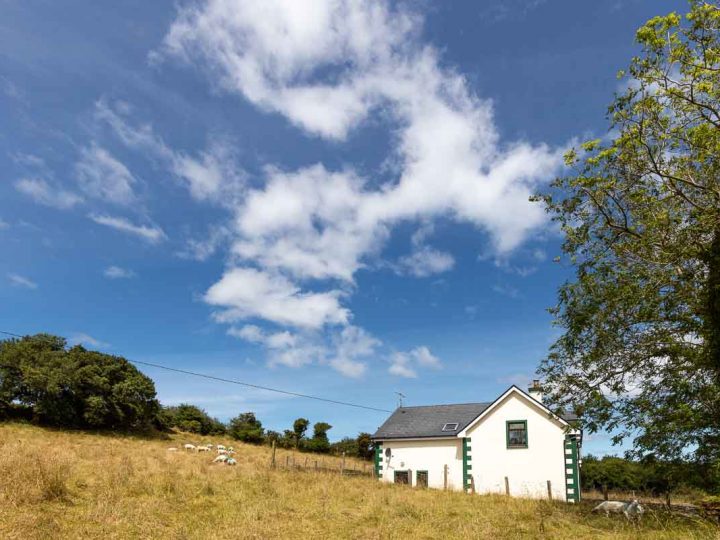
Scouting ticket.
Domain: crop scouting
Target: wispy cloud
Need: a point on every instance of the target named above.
(103, 177)
(506, 290)
(81, 338)
(43, 193)
(116, 272)
(22, 281)
(152, 234)
(4, 224)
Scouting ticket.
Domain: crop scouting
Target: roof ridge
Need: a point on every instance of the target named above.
(445, 405)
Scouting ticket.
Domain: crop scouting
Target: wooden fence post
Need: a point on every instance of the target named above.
(342, 464)
(272, 459)
(445, 475)
(305, 466)
(605, 492)
(507, 486)
(316, 468)
(549, 484)
(287, 461)
(472, 484)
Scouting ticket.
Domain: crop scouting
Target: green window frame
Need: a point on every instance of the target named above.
(514, 428)
(421, 474)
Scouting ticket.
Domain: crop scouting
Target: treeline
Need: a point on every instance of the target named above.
(659, 478)
(44, 381)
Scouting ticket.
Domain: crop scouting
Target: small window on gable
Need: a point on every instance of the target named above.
(517, 436)
(452, 426)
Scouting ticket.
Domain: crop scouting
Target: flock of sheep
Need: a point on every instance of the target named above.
(224, 454)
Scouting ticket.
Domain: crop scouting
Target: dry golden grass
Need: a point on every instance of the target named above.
(57, 484)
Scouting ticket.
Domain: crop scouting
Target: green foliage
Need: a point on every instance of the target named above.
(319, 442)
(73, 387)
(640, 353)
(361, 446)
(299, 428)
(193, 419)
(245, 427)
(647, 476)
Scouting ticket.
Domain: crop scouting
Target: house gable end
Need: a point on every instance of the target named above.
(502, 399)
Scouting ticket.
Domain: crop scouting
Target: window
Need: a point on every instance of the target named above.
(402, 477)
(517, 436)
(421, 479)
(452, 426)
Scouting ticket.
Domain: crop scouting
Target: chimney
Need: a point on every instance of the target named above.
(535, 390)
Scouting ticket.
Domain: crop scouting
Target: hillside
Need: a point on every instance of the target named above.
(56, 484)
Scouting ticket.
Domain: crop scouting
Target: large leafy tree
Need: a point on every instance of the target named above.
(191, 418)
(245, 427)
(73, 387)
(640, 352)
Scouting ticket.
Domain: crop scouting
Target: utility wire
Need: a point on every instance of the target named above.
(249, 385)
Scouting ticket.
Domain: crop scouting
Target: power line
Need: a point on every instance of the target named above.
(241, 383)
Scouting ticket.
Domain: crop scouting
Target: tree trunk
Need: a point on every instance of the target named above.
(712, 323)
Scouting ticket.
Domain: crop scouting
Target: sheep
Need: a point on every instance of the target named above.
(230, 452)
(190, 447)
(203, 449)
(220, 447)
(172, 449)
(220, 459)
(630, 510)
(230, 449)
(230, 461)
(222, 452)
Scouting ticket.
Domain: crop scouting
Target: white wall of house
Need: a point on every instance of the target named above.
(528, 469)
(425, 455)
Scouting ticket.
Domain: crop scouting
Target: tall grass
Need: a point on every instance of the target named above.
(74, 485)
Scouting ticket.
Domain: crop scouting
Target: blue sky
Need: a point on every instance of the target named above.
(329, 198)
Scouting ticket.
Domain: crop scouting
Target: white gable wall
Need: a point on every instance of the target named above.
(528, 469)
(424, 455)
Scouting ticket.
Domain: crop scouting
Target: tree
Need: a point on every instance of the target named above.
(366, 448)
(319, 441)
(74, 387)
(245, 427)
(299, 428)
(640, 353)
(190, 418)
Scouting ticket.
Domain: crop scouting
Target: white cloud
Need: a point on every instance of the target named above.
(103, 177)
(315, 223)
(43, 193)
(22, 281)
(250, 293)
(405, 364)
(116, 272)
(85, 339)
(426, 261)
(345, 351)
(351, 346)
(4, 224)
(152, 234)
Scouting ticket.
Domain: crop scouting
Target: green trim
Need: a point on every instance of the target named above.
(467, 466)
(378, 460)
(417, 478)
(571, 461)
(507, 434)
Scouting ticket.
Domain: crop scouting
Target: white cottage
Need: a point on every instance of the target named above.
(514, 445)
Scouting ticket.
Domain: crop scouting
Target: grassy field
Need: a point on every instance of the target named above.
(56, 484)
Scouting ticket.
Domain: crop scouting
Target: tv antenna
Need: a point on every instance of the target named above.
(400, 396)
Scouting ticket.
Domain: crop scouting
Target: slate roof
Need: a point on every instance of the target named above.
(428, 420)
